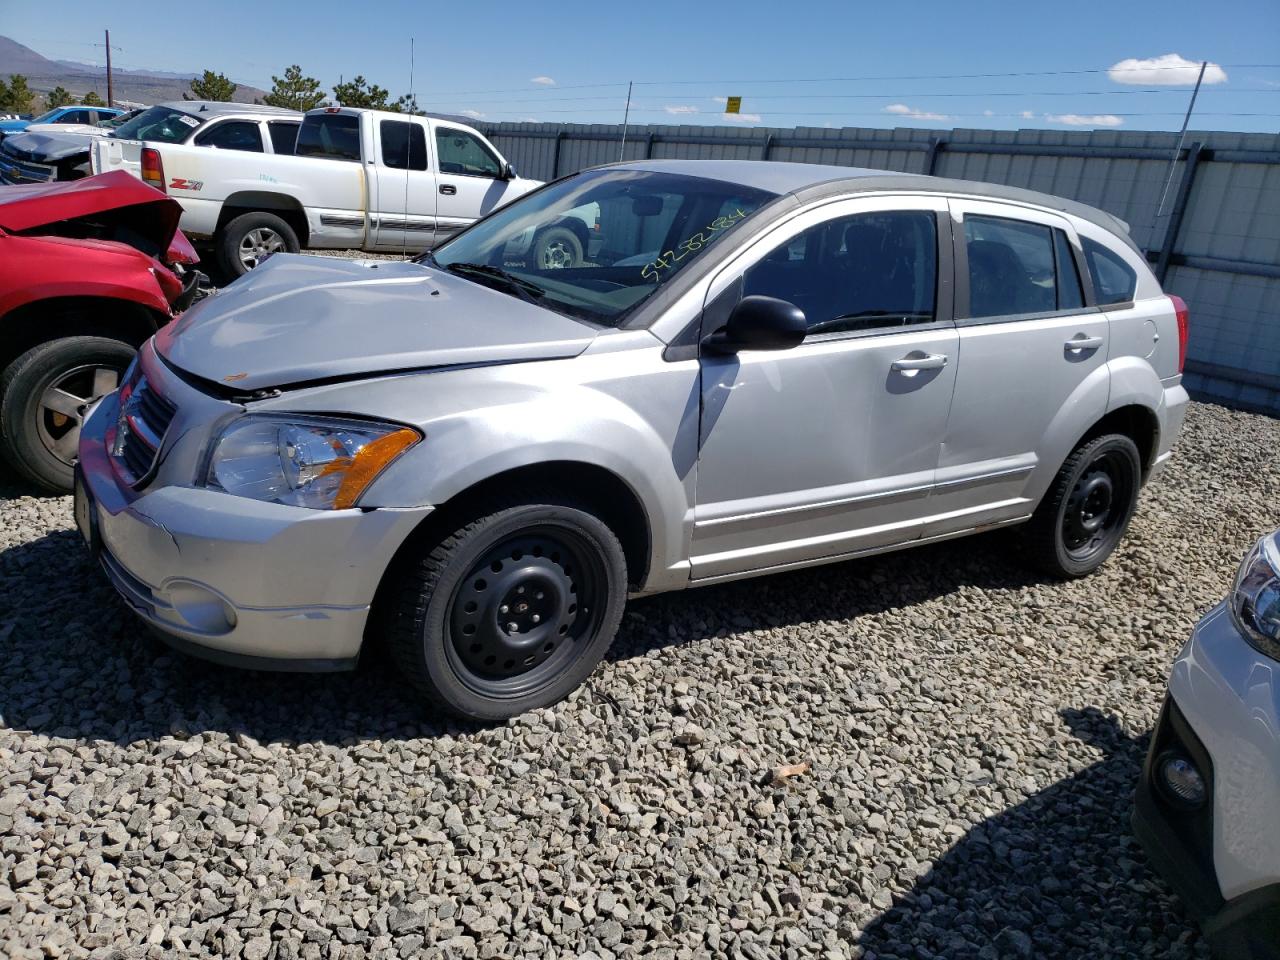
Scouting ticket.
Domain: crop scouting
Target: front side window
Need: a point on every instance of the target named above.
(1011, 267)
(159, 125)
(868, 271)
(335, 136)
(1114, 281)
(597, 245)
(404, 146)
(76, 116)
(232, 135)
(463, 153)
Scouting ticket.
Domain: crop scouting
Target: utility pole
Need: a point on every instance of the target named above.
(111, 90)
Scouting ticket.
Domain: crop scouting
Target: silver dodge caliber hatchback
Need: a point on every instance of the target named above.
(731, 368)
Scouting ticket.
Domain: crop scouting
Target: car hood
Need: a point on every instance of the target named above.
(45, 147)
(297, 319)
(32, 206)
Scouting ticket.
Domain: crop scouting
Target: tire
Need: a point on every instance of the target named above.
(448, 631)
(1087, 509)
(556, 249)
(40, 428)
(249, 239)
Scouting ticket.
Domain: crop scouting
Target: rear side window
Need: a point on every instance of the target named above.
(1114, 281)
(283, 136)
(1011, 267)
(870, 271)
(232, 135)
(1070, 296)
(404, 146)
(334, 136)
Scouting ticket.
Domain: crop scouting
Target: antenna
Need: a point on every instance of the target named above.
(408, 156)
(625, 117)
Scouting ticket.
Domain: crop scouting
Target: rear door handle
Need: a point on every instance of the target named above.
(910, 364)
(448, 189)
(1081, 342)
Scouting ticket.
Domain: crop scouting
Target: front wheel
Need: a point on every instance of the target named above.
(510, 612)
(557, 249)
(1084, 515)
(43, 398)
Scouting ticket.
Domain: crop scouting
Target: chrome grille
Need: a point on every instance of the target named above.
(140, 429)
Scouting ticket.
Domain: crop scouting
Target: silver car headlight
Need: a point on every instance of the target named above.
(316, 462)
(1255, 601)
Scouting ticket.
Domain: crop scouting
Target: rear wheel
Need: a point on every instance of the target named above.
(43, 397)
(250, 238)
(1087, 509)
(556, 249)
(511, 611)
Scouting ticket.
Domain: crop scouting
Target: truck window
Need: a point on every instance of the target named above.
(232, 135)
(283, 136)
(334, 136)
(404, 147)
(462, 153)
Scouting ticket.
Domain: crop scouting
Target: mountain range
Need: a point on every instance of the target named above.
(138, 86)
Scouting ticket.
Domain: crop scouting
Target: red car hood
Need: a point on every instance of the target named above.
(27, 208)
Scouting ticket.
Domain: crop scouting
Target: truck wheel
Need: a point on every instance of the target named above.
(1087, 509)
(511, 611)
(557, 248)
(250, 238)
(43, 396)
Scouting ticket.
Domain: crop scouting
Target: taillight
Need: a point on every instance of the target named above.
(1184, 328)
(153, 169)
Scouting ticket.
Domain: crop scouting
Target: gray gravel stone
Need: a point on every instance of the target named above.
(972, 732)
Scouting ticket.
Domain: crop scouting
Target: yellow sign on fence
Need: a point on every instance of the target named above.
(733, 105)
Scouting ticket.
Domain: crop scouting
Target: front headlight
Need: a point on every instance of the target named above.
(313, 462)
(1255, 601)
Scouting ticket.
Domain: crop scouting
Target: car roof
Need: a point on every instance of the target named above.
(808, 181)
(215, 108)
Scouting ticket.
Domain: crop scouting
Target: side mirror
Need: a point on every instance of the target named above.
(509, 171)
(759, 323)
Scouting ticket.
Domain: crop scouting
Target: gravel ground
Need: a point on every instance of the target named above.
(973, 736)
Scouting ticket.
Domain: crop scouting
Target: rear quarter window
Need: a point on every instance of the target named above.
(1114, 281)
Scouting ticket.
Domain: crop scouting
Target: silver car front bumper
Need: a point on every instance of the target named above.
(236, 580)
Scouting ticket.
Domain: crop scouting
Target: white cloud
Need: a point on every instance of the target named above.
(543, 81)
(678, 108)
(988, 113)
(530, 120)
(743, 117)
(1085, 120)
(913, 113)
(473, 114)
(1169, 70)
(719, 99)
(1028, 115)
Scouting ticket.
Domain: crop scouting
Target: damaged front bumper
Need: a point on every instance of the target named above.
(231, 579)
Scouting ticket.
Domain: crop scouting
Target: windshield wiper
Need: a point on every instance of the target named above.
(518, 286)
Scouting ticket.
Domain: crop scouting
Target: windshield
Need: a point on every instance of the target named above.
(119, 120)
(160, 125)
(597, 245)
(48, 115)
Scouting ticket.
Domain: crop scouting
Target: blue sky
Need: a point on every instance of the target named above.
(798, 62)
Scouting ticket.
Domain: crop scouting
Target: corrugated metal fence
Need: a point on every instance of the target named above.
(1216, 244)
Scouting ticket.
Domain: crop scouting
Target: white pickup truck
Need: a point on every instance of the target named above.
(357, 179)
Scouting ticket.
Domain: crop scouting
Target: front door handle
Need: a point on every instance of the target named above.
(448, 189)
(929, 361)
(1081, 342)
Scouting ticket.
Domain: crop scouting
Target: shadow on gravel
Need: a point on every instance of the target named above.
(1060, 875)
(77, 664)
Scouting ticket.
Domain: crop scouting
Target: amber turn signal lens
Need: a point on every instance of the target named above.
(372, 459)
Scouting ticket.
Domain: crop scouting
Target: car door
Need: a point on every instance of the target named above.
(472, 179)
(829, 448)
(1034, 358)
(406, 208)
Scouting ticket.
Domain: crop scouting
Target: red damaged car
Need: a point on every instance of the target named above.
(88, 271)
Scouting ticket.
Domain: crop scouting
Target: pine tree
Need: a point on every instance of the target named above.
(294, 91)
(360, 93)
(91, 99)
(60, 97)
(211, 86)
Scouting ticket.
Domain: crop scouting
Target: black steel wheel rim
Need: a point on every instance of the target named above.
(525, 611)
(1097, 507)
